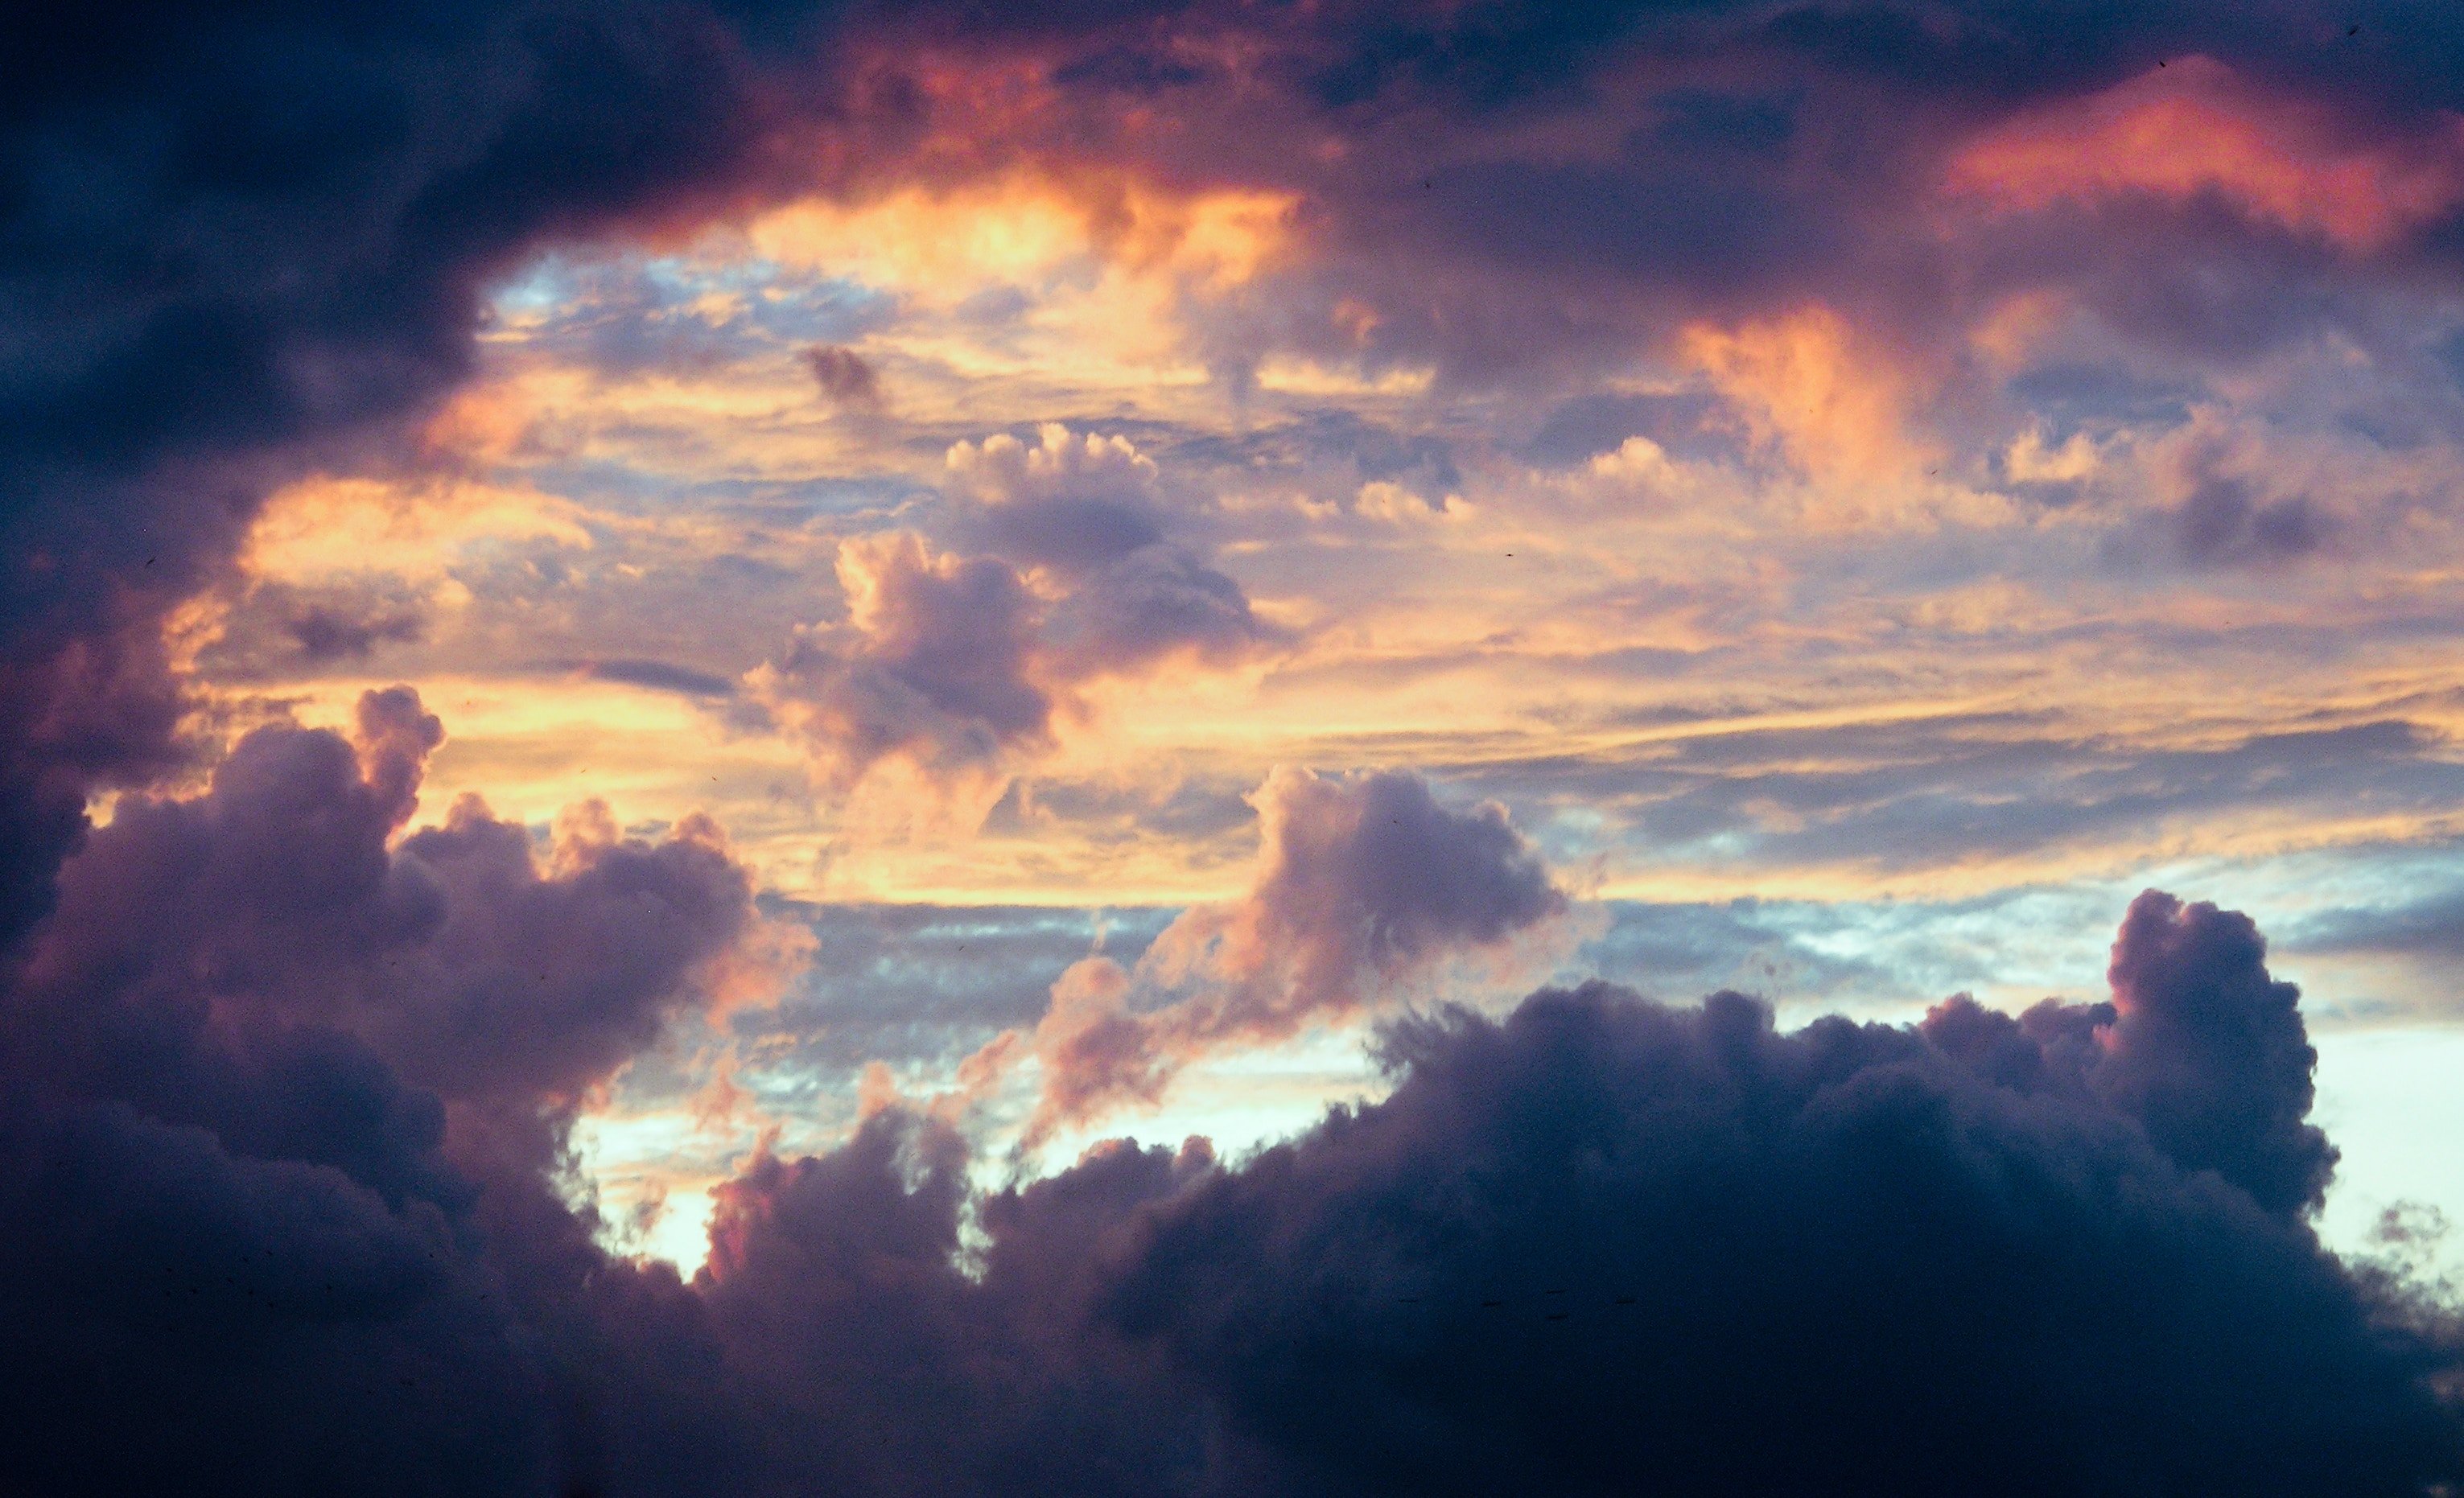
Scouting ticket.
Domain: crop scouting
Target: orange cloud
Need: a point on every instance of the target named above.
(2196, 128)
(1838, 404)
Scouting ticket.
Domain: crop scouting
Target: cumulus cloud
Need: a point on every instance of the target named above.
(1605, 1238)
(284, 1090)
(935, 661)
(1599, 1237)
(281, 895)
(1067, 502)
(1365, 883)
(270, 1066)
(281, 1165)
(2209, 1053)
(953, 662)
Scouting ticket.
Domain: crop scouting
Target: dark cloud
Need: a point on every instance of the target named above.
(323, 634)
(1605, 1238)
(662, 677)
(279, 896)
(271, 1076)
(847, 380)
(1599, 1237)
(284, 1092)
(2209, 1053)
(281, 1160)
(2221, 521)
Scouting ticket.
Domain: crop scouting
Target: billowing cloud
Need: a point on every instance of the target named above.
(1069, 501)
(1604, 1238)
(1365, 883)
(281, 896)
(952, 662)
(260, 1062)
(2208, 1053)
(935, 662)
(282, 1149)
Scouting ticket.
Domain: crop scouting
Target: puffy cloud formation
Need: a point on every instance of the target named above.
(2208, 1053)
(952, 661)
(936, 662)
(1364, 884)
(1605, 1239)
(269, 1068)
(276, 898)
(281, 1149)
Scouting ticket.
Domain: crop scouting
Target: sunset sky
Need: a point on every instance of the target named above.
(1038, 576)
(1860, 546)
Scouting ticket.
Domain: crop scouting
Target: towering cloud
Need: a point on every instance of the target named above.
(1604, 1242)
(275, 1083)
(2208, 1052)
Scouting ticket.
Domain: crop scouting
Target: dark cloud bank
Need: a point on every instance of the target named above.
(282, 1136)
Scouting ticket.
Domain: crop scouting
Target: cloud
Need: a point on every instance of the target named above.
(2209, 1053)
(934, 663)
(2195, 127)
(1596, 1237)
(324, 635)
(258, 237)
(1067, 502)
(952, 663)
(1365, 885)
(288, 1092)
(847, 380)
(281, 895)
(1603, 1237)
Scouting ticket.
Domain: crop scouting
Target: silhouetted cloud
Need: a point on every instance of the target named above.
(282, 1149)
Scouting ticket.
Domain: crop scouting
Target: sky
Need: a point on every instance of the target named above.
(931, 749)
